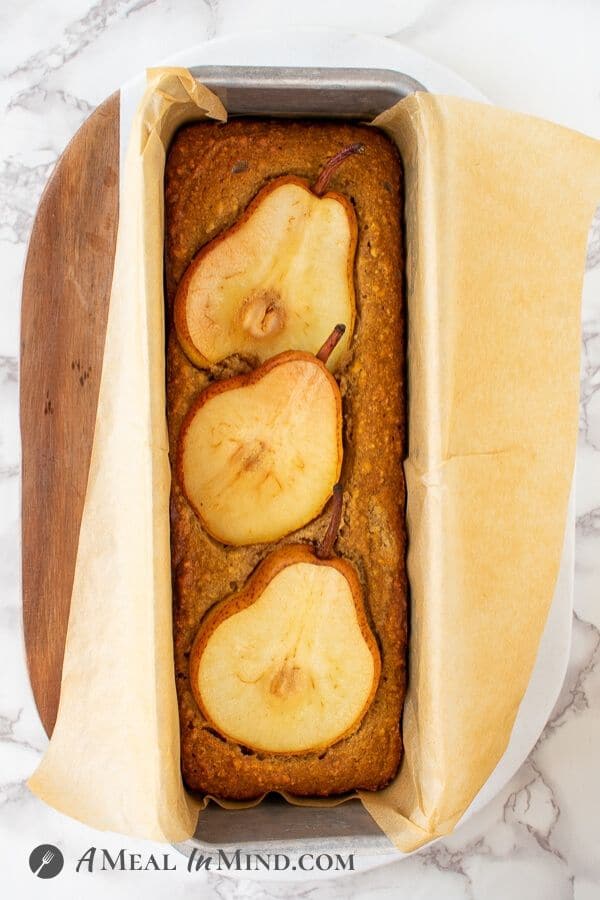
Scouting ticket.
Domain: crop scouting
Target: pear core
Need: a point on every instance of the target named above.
(277, 280)
(259, 454)
(263, 314)
(297, 668)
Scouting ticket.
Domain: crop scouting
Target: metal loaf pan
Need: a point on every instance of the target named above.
(359, 94)
(306, 92)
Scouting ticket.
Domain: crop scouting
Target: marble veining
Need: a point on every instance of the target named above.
(539, 837)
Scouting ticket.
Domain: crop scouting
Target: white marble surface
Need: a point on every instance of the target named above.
(540, 837)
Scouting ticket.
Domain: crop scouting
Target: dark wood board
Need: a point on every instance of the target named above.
(66, 290)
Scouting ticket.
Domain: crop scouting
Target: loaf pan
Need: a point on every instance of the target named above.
(359, 94)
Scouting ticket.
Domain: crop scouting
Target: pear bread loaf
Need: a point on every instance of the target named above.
(213, 173)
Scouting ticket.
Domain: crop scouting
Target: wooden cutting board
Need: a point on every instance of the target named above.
(66, 290)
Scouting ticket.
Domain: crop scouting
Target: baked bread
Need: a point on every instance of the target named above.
(213, 171)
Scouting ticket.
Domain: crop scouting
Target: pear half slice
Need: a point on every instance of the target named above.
(259, 454)
(277, 278)
(288, 664)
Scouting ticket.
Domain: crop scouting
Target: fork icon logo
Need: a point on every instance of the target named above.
(46, 861)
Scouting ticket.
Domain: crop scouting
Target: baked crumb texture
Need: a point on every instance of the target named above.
(212, 173)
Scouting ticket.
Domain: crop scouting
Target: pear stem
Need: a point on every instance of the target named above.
(325, 548)
(331, 343)
(320, 185)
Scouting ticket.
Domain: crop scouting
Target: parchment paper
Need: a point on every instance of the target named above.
(498, 210)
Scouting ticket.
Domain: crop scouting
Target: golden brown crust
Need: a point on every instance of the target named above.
(265, 572)
(213, 172)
